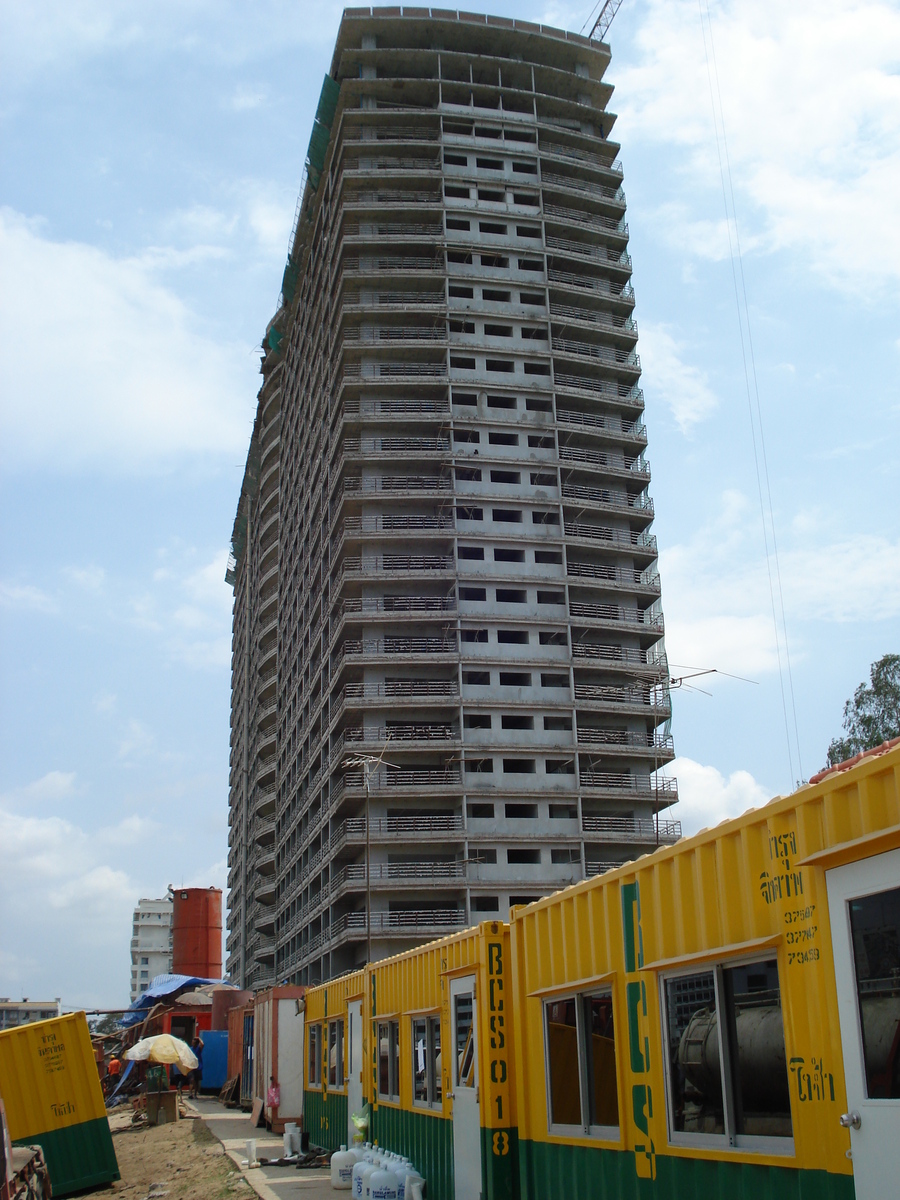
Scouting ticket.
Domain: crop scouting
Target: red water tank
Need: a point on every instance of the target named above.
(197, 932)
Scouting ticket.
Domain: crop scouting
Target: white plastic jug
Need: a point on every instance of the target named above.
(357, 1186)
(411, 1179)
(401, 1169)
(383, 1184)
(342, 1164)
(368, 1171)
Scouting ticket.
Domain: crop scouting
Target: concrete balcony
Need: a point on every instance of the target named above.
(586, 385)
(403, 829)
(397, 564)
(616, 616)
(583, 187)
(391, 607)
(616, 742)
(624, 701)
(631, 659)
(372, 649)
(408, 736)
(616, 785)
(590, 283)
(623, 360)
(642, 544)
(558, 247)
(609, 426)
(620, 466)
(409, 873)
(606, 501)
(396, 485)
(393, 448)
(595, 162)
(407, 300)
(642, 831)
(639, 582)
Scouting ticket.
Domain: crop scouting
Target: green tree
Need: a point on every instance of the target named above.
(873, 715)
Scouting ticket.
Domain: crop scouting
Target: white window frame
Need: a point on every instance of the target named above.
(729, 1140)
(584, 1130)
(433, 1089)
(314, 1034)
(336, 1026)
(392, 1095)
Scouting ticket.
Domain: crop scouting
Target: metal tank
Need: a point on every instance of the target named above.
(197, 932)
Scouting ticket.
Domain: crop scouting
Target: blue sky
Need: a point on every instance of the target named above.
(150, 164)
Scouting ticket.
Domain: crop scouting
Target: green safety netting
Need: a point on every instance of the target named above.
(328, 99)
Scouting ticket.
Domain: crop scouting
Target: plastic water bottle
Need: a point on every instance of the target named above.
(342, 1164)
(383, 1183)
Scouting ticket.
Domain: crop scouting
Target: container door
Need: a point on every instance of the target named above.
(864, 904)
(464, 1081)
(354, 1065)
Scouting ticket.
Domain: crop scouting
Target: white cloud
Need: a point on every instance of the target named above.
(683, 387)
(54, 786)
(245, 98)
(89, 579)
(26, 597)
(808, 90)
(137, 740)
(716, 589)
(127, 380)
(706, 797)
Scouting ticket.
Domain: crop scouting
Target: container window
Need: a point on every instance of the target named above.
(583, 1094)
(389, 1060)
(727, 1077)
(315, 1056)
(600, 1061)
(336, 1054)
(562, 1061)
(426, 1043)
(465, 1040)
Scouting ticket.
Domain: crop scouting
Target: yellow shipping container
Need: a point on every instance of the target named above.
(689, 1025)
(333, 1060)
(51, 1089)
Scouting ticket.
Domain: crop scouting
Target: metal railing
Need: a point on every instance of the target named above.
(396, 333)
(587, 220)
(621, 783)
(602, 496)
(395, 408)
(632, 829)
(600, 317)
(373, 647)
(612, 574)
(395, 445)
(387, 779)
(616, 654)
(607, 354)
(415, 688)
(567, 416)
(614, 537)
(551, 179)
(354, 829)
(398, 604)
(397, 483)
(625, 739)
(589, 283)
(599, 254)
(633, 398)
(585, 156)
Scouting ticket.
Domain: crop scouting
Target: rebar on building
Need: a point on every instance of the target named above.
(442, 557)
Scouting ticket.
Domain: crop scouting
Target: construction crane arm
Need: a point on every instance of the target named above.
(605, 19)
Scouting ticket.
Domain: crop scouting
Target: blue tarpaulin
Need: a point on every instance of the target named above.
(160, 987)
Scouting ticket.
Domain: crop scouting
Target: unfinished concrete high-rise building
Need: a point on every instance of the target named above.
(449, 689)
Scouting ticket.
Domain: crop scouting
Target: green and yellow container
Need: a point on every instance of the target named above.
(51, 1089)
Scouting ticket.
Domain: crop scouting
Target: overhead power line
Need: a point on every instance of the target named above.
(757, 433)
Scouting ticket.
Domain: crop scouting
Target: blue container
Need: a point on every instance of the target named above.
(215, 1059)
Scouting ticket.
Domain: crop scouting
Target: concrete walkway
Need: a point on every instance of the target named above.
(233, 1129)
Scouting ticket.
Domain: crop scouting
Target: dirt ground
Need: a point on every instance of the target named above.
(179, 1161)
